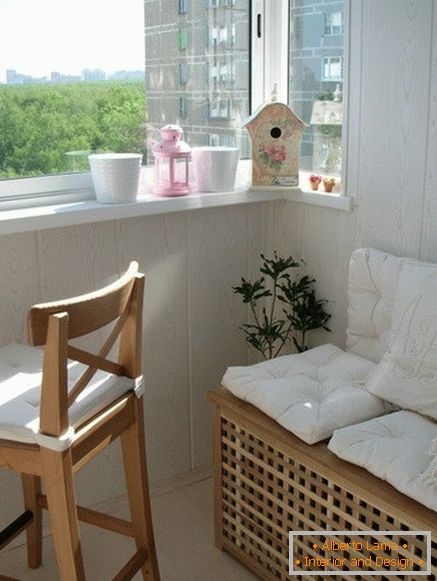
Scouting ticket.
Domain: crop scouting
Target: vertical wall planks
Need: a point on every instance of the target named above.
(218, 247)
(394, 103)
(390, 136)
(19, 289)
(19, 284)
(428, 249)
(159, 244)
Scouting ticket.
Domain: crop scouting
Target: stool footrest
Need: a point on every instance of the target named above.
(15, 528)
(98, 519)
(132, 566)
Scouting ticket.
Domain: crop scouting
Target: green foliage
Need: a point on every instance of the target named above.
(325, 96)
(50, 129)
(302, 311)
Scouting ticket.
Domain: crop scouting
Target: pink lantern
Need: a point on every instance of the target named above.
(172, 156)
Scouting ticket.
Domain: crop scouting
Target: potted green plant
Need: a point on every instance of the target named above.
(301, 310)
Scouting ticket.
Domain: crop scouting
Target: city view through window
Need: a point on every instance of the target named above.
(71, 82)
(316, 80)
(97, 70)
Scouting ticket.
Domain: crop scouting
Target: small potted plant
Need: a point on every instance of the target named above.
(315, 182)
(328, 184)
(301, 310)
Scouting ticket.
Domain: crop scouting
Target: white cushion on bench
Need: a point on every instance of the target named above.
(372, 285)
(20, 389)
(310, 394)
(395, 448)
(407, 374)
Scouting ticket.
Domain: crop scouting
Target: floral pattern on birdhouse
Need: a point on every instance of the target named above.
(275, 133)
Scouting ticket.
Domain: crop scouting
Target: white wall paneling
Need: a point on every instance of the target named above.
(159, 243)
(191, 260)
(391, 157)
(218, 249)
(428, 246)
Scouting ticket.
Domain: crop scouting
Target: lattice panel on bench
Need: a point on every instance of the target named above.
(266, 493)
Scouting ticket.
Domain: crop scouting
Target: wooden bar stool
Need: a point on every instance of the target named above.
(51, 426)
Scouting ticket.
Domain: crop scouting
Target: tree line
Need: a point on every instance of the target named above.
(46, 129)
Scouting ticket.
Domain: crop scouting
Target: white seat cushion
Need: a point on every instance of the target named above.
(20, 389)
(395, 448)
(310, 394)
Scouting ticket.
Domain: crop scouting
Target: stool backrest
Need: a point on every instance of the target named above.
(54, 324)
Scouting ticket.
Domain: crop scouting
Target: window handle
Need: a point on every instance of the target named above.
(258, 26)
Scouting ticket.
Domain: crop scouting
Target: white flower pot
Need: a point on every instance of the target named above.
(215, 168)
(115, 176)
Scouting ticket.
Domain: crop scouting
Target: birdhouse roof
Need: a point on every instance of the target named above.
(280, 108)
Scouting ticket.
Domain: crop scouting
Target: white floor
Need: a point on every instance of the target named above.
(184, 537)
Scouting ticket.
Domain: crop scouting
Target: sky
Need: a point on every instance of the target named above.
(40, 36)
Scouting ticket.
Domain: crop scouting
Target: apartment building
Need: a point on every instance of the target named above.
(205, 85)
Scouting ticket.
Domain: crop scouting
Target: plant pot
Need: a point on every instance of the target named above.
(314, 186)
(215, 168)
(328, 188)
(115, 176)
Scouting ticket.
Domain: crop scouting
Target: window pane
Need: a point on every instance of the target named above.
(216, 57)
(71, 82)
(316, 78)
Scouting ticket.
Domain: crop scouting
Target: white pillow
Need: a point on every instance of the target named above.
(429, 476)
(407, 374)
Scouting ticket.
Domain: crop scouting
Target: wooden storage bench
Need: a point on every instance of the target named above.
(268, 482)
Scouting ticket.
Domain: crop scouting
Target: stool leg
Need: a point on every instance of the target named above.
(31, 490)
(61, 501)
(135, 467)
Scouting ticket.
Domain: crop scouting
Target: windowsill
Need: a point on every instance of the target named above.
(28, 219)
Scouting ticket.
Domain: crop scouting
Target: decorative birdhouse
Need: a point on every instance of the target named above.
(275, 133)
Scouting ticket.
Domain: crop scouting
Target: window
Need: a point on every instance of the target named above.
(183, 73)
(316, 50)
(67, 89)
(207, 68)
(213, 108)
(183, 6)
(213, 75)
(224, 108)
(334, 23)
(182, 106)
(223, 73)
(218, 35)
(182, 39)
(216, 105)
(223, 34)
(332, 68)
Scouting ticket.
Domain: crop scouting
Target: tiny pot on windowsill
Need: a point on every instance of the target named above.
(328, 184)
(315, 182)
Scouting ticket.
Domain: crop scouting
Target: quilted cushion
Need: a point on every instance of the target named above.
(372, 286)
(311, 393)
(20, 382)
(430, 474)
(407, 374)
(395, 448)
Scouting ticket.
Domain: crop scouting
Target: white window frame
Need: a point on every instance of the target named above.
(270, 61)
(269, 65)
